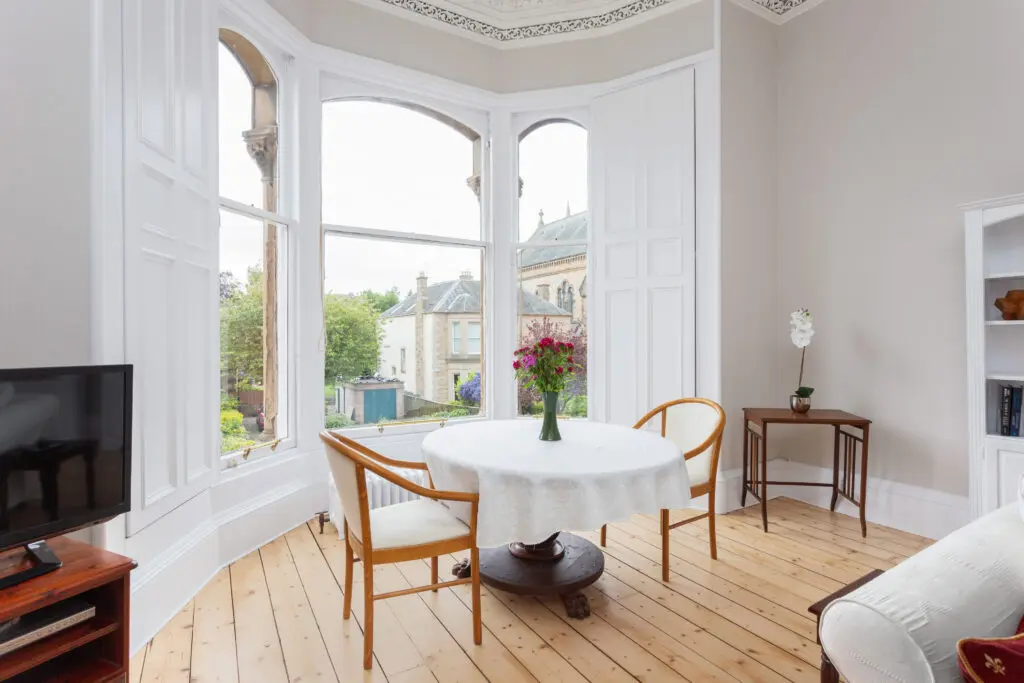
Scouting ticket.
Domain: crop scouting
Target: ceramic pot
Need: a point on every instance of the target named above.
(799, 404)
(549, 428)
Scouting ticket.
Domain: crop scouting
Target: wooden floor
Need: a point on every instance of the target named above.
(275, 615)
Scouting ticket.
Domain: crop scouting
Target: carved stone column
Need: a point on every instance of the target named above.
(262, 146)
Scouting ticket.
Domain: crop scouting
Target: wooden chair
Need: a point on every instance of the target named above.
(695, 425)
(414, 530)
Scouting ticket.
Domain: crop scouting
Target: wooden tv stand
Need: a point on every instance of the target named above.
(94, 651)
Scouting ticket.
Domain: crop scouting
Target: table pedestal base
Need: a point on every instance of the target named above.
(540, 570)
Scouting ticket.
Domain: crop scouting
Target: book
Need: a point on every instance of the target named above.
(44, 622)
(1004, 409)
(1015, 406)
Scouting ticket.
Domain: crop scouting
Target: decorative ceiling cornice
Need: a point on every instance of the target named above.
(508, 21)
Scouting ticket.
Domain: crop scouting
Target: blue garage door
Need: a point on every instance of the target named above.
(378, 405)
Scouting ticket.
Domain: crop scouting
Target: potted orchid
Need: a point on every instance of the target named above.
(801, 329)
(546, 366)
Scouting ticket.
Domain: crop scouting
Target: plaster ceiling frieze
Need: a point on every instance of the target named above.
(507, 21)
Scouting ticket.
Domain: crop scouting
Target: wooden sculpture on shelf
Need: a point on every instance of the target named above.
(1012, 305)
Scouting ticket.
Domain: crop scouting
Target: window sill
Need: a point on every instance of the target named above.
(257, 459)
(399, 429)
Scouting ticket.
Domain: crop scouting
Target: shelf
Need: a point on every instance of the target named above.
(1005, 377)
(1006, 276)
(1002, 436)
(72, 669)
(36, 653)
(1003, 323)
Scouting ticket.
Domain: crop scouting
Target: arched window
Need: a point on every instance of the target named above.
(554, 235)
(403, 263)
(252, 311)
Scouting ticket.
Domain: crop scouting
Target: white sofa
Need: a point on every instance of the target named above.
(904, 625)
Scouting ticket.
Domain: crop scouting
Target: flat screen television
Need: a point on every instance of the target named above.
(65, 453)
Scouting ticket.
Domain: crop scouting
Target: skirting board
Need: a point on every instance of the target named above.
(180, 572)
(917, 510)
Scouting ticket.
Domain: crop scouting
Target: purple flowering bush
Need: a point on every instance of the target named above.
(469, 391)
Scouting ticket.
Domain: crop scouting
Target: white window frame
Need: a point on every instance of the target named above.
(287, 182)
(470, 338)
(335, 88)
(456, 334)
(529, 121)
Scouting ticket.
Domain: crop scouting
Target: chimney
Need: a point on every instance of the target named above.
(540, 218)
(421, 303)
(544, 292)
(466, 276)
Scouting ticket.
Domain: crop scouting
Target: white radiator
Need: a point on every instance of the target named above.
(380, 492)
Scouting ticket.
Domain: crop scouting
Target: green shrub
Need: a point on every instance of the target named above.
(338, 421)
(228, 402)
(230, 443)
(231, 423)
(576, 406)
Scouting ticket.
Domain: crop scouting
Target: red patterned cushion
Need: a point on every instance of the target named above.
(990, 660)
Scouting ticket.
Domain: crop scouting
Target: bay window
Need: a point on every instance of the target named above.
(554, 233)
(252, 256)
(403, 264)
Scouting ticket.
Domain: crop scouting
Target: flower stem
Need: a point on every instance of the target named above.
(800, 381)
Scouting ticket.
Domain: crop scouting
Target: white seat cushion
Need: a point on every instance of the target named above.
(413, 523)
(699, 468)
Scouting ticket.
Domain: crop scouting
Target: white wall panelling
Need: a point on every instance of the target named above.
(643, 180)
(170, 249)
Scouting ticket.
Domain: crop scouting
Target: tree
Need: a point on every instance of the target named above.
(241, 328)
(354, 334)
(381, 302)
(577, 336)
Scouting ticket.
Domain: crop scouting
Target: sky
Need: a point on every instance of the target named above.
(391, 168)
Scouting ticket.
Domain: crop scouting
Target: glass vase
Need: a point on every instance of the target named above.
(549, 428)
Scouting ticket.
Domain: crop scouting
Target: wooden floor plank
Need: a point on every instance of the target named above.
(344, 639)
(305, 654)
(214, 658)
(138, 661)
(275, 615)
(392, 648)
(491, 656)
(169, 659)
(256, 639)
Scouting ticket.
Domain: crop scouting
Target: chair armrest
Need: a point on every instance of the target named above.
(390, 462)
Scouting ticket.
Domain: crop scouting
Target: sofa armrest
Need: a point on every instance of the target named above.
(904, 625)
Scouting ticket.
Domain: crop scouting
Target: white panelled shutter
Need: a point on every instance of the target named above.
(171, 240)
(643, 188)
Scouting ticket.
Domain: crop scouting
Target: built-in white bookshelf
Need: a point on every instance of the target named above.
(994, 251)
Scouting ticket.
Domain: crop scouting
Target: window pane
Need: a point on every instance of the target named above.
(251, 387)
(553, 172)
(473, 337)
(544, 311)
(391, 168)
(397, 305)
(240, 177)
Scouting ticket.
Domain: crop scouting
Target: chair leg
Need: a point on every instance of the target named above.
(367, 614)
(711, 524)
(433, 572)
(349, 564)
(474, 558)
(664, 545)
(604, 534)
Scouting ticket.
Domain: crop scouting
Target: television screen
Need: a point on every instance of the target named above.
(65, 449)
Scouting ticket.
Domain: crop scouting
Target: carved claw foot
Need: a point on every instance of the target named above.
(462, 570)
(577, 605)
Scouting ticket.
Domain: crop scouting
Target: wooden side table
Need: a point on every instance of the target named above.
(755, 455)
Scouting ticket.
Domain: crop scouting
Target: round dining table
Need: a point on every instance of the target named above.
(533, 492)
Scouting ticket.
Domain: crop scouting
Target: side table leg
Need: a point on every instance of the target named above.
(864, 484)
(828, 672)
(746, 454)
(764, 476)
(463, 569)
(835, 473)
(577, 605)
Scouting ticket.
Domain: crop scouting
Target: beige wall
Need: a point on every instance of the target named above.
(573, 272)
(45, 243)
(752, 332)
(891, 114)
(394, 37)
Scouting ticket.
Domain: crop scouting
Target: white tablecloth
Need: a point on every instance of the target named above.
(530, 489)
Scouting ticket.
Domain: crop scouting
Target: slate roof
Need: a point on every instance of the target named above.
(463, 296)
(569, 228)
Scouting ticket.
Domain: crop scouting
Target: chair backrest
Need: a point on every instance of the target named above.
(350, 480)
(695, 425)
